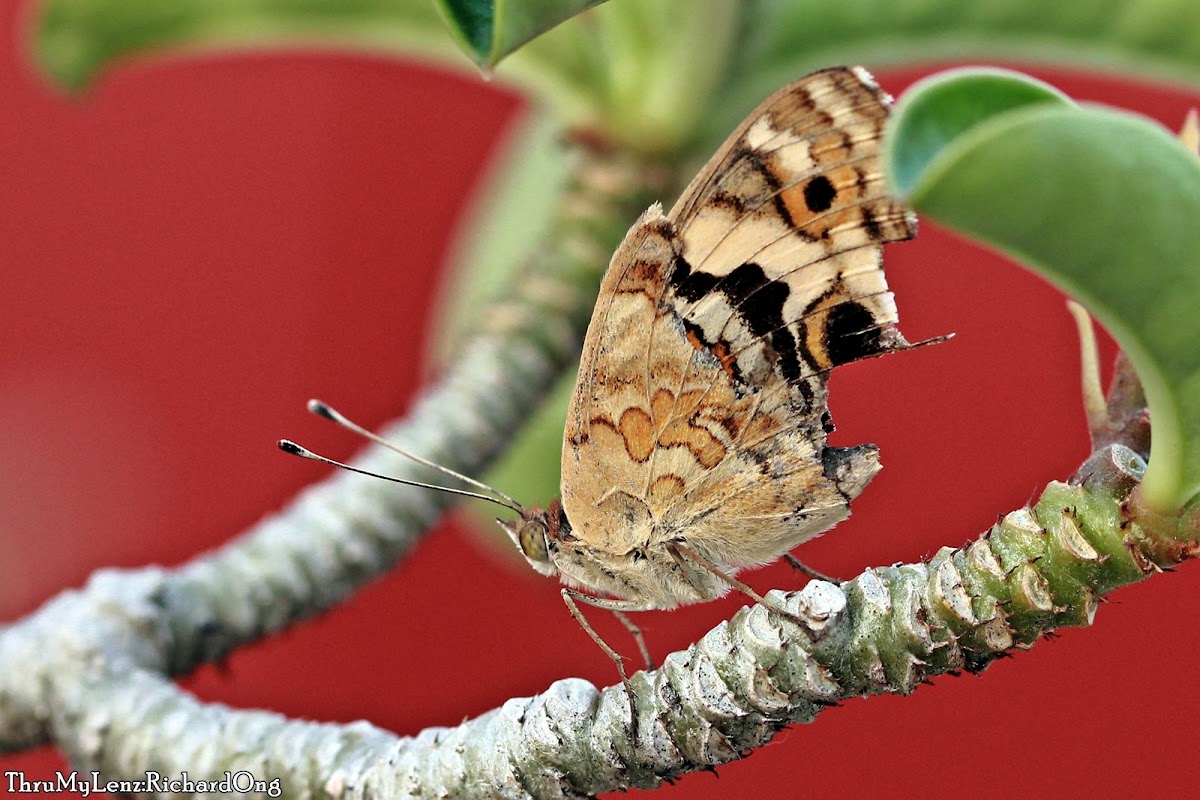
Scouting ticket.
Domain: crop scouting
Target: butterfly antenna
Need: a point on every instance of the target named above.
(326, 411)
(288, 446)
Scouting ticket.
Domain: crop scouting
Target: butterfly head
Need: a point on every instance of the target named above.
(537, 533)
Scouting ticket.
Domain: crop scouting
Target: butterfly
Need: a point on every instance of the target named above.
(695, 443)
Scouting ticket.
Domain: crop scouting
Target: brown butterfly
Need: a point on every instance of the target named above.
(695, 444)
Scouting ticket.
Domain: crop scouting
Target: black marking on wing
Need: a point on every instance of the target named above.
(756, 299)
(850, 334)
(819, 194)
(759, 302)
(871, 224)
(688, 284)
(727, 201)
(767, 173)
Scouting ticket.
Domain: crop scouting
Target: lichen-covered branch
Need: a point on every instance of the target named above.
(887, 631)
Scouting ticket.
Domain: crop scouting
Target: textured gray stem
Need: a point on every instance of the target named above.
(887, 631)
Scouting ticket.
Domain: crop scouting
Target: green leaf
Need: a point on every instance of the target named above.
(1100, 202)
(786, 39)
(489, 30)
(951, 103)
(638, 73)
(76, 39)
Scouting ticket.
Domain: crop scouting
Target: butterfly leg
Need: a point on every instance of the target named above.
(569, 597)
(809, 571)
(681, 552)
(636, 633)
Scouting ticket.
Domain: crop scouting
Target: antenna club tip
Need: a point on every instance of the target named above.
(288, 446)
(321, 409)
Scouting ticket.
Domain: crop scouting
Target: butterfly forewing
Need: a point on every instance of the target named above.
(781, 233)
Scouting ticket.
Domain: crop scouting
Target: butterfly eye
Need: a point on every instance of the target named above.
(532, 540)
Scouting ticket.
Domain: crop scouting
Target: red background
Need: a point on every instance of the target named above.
(197, 246)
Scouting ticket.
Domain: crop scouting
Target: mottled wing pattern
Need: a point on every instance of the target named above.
(700, 409)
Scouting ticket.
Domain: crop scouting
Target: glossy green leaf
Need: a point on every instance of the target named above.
(489, 30)
(75, 40)
(1100, 202)
(643, 71)
(635, 72)
(951, 103)
(785, 39)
